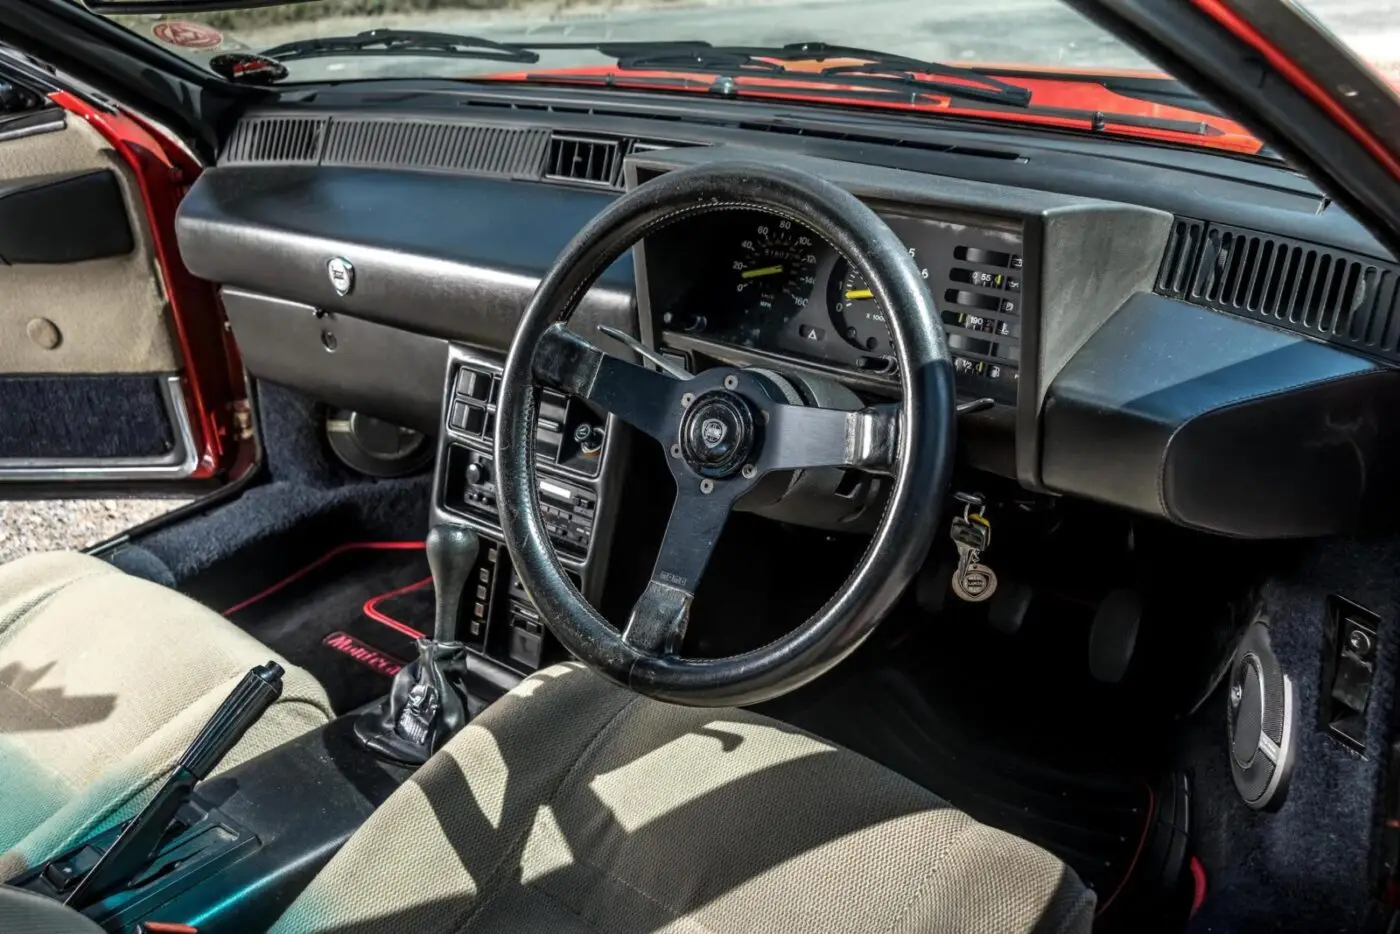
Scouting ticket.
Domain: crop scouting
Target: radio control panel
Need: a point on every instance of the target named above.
(568, 509)
(578, 487)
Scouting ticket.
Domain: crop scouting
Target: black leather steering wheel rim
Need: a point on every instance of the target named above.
(921, 448)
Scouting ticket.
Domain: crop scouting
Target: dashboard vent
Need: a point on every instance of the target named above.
(416, 144)
(276, 139)
(1179, 261)
(585, 159)
(1325, 293)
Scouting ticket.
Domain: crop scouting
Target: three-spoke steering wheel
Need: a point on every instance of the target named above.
(724, 430)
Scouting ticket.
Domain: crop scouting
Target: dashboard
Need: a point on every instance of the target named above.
(753, 280)
(1182, 335)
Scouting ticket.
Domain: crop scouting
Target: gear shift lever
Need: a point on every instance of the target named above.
(426, 703)
(451, 555)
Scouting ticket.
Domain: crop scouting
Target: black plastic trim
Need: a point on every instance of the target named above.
(379, 370)
(1221, 425)
(63, 219)
(455, 257)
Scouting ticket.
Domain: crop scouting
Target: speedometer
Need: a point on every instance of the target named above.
(775, 269)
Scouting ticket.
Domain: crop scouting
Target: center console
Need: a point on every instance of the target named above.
(578, 458)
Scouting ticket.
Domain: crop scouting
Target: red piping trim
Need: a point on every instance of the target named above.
(371, 609)
(335, 552)
(1142, 842)
(1237, 26)
(1198, 889)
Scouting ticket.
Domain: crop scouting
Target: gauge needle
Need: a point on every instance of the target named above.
(763, 271)
(857, 294)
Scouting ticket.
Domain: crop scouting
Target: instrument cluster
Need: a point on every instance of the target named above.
(762, 282)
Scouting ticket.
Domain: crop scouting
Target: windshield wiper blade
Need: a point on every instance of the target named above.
(878, 69)
(403, 42)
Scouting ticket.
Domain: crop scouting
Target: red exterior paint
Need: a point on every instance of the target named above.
(1295, 75)
(214, 379)
(1055, 90)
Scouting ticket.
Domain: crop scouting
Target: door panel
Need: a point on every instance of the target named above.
(110, 313)
(91, 375)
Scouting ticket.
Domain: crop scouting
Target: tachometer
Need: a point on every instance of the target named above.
(854, 312)
(775, 268)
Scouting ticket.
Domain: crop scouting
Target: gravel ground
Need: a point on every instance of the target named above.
(49, 524)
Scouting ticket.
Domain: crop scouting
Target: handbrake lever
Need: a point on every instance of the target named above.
(249, 700)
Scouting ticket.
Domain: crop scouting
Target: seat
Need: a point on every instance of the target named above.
(572, 804)
(104, 680)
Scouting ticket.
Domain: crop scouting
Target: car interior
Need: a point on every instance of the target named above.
(617, 511)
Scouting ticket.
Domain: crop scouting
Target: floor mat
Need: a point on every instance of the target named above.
(1124, 834)
(350, 617)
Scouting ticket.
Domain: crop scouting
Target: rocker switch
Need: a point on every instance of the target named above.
(1349, 672)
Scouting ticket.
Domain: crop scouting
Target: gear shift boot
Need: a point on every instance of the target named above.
(427, 703)
(425, 706)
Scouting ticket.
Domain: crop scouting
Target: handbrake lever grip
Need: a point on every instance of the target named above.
(258, 691)
(249, 700)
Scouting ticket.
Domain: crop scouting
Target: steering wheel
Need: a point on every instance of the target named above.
(724, 430)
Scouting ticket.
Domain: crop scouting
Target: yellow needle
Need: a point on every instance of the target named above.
(764, 271)
(856, 294)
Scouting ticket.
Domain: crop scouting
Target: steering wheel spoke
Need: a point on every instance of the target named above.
(800, 437)
(659, 618)
(643, 398)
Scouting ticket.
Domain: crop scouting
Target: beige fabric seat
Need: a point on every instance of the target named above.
(104, 679)
(575, 805)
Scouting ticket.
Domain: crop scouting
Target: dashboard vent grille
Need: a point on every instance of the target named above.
(1325, 293)
(414, 144)
(590, 160)
(276, 139)
(1183, 249)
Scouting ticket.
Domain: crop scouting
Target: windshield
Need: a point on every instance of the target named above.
(1030, 56)
(1023, 32)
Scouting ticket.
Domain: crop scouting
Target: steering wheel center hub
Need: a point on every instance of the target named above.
(717, 433)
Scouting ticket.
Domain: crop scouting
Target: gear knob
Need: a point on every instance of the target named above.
(452, 554)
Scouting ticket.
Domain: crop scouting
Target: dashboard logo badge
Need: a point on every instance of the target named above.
(713, 431)
(342, 275)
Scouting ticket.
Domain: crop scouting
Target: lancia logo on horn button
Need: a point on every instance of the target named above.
(713, 431)
(342, 275)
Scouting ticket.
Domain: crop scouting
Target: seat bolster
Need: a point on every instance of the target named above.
(24, 912)
(574, 804)
(27, 582)
(104, 680)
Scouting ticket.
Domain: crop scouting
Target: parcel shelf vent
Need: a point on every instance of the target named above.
(296, 140)
(584, 159)
(483, 149)
(1322, 292)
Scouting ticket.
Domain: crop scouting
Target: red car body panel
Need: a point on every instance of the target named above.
(214, 377)
(1060, 99)
(1298, 76)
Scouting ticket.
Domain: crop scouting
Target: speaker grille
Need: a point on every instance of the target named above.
(1260, 721)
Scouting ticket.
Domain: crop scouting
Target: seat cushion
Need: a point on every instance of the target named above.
(574, 805)
(104, 680)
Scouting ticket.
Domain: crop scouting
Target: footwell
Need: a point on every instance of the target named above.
(350, 616)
